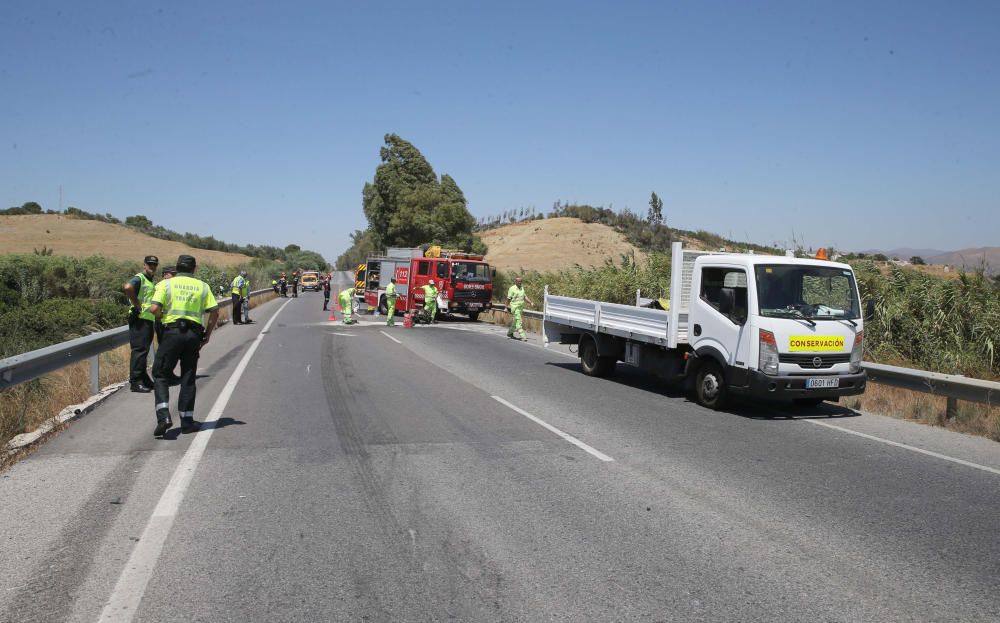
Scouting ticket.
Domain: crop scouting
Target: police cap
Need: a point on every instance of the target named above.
(151, 259)
(185, 263)
(169, 270)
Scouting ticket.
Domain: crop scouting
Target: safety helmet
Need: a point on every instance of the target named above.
(243, 273)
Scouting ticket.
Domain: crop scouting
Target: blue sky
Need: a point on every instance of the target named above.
(856, 125)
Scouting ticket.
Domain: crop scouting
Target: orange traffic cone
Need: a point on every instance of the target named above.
(332, 316)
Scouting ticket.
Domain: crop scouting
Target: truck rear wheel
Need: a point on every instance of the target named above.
(592, 363)
(710, 386)
(383, 307)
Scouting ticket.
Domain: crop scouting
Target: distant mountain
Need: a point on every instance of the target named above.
(969, 259)
(906, 253)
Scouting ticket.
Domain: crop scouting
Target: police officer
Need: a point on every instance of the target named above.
(239, 292)
(430, 301)
(390, 302)
(295, 283)
(180, 303)
(283, 283)
(515, 299)
(139, 290)
(326, 292)
(345, 305)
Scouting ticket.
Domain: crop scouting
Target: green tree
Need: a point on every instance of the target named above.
(406, 205)
(140, 222)
(916, 260)
(655, 210)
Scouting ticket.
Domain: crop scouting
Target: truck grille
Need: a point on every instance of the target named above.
(815, 362)
(471, 295)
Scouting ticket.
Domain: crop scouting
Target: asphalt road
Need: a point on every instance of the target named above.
(446, 473)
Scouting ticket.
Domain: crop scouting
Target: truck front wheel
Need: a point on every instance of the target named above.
(594, 365)
(383, 307)
(473, 316)
(710, 386)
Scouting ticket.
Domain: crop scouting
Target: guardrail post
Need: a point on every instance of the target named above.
(952, 409)
(95, 374)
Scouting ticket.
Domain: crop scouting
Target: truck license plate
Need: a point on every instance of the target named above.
(474, 305)
(822, 383)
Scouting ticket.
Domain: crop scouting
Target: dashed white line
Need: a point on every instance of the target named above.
(943, 457)
(570, 438)
(128, 592)
(390, 337)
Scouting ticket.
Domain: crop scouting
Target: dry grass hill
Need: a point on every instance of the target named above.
(554, 244)
(80, 238)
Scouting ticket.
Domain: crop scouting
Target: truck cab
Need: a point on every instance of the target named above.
(775, 327)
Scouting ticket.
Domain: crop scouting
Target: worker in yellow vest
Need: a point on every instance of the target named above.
(390, 302)
(139, 290)
(180, 303)
(345, 305)
(240, 290)
(515, 300)
(430, 301)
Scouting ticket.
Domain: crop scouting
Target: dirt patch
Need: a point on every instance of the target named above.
(555, 244)
(83, 238)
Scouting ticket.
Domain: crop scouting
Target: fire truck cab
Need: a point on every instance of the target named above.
(464, 281)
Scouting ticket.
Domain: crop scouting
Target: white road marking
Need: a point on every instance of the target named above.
(124, 600)
(342, 334)
(943, 457)
(390, 337)
(570, 438)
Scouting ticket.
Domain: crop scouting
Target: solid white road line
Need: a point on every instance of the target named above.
(128, 592)
(943, 457)
(570, 438)
(390, 337)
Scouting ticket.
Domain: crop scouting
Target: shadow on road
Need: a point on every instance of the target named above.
(175, 432)
(743, 407)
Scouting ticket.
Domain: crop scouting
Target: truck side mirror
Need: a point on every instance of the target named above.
(869, 310)
(727, 300)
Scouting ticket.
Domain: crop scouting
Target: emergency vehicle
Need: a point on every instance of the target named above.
(464, 280)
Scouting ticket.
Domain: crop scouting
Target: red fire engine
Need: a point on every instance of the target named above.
(464, 281)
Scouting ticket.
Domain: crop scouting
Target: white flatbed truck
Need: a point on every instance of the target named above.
(769, 327)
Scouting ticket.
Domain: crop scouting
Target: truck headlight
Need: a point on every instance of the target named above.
(857, 352)
(768, 360)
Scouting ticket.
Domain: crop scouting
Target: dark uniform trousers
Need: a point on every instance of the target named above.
(140, 336)
(237, 311)
(179, 344)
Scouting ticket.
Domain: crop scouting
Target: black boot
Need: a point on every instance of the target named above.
(163, 424)
(188, 425)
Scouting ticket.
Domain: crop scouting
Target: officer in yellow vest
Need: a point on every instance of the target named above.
(139, 290)
(345, 305)
(515, 299)
(390, 302)
(180, 303)
(430, 301)
(240, 288)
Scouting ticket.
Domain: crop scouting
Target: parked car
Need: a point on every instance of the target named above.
(310, 281)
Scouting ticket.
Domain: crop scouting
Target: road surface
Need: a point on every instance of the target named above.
(446, 473)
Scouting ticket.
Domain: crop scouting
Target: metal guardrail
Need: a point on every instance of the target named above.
(951, 386)
(36, 363)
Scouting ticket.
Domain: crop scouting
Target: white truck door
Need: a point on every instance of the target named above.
(728, 333)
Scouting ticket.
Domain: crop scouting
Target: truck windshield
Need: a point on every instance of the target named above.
(470, 271)
(813, 292)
